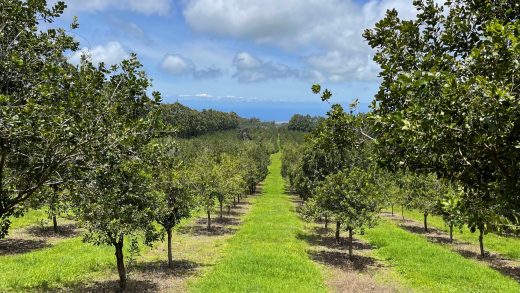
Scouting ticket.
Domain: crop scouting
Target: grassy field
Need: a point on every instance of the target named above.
(63, 264)
(507, 246)
(71, 265)
(429, 267)
(265, 255)
(31, 217)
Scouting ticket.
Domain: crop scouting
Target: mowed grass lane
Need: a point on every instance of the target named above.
(65, 264)
(430, 267)
(507, 246)
(265, 255)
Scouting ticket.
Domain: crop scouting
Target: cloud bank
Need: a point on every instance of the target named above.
(178, 65)
(328, 31)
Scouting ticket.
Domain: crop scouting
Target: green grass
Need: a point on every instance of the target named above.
(265, 255)
(64, 264)
(70, 263)
(507, 246)
(429, 267)
(30, 218)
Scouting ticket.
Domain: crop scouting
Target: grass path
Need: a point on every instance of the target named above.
(507, 246)
(266, 255)
(429, 267)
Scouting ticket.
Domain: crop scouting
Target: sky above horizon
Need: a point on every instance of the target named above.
(257, 58)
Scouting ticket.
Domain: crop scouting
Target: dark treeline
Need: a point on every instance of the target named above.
(305, 123)
(189, 122)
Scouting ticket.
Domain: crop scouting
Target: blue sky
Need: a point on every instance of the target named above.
(258, 58)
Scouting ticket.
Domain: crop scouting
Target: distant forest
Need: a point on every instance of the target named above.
(305, 123)
(190, 122)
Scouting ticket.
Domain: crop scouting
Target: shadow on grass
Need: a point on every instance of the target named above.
(216, 230)
(64, 231)
(500, 263)
(227, 220)
(228, 224)
(242, 204)
(433, 235)
(110, 286)
(325, 250)
(18, 246)
(234, 213)
(181, 268)
(320, 237)
(340, 259)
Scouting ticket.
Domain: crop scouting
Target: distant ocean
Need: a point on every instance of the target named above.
(265, 111)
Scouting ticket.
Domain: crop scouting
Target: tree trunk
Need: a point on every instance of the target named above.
(120, 264)
(481, 241)
(170, 256)
(209, 220)
(238, 199)
(221, 204)
(55, 224)
(402, 211)
(326, 223)
(234, 202)
(451, 233)
(392, 210)
(338, 226)
(350, 242)
(229, 210)
(426, 222)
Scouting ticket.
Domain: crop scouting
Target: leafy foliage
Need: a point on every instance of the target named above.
(448, 99)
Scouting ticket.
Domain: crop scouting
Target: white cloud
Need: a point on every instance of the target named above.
(177, 64)
(148, 7)
(227, 98)
(330, 31)
(246, 61)
(204, 95)
(111, 53)
(250, 68)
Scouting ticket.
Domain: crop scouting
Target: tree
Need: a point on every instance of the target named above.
(449, 207)
(116, 198)
(424, 192)
(447, 101)
(48, 113)
(352, 197)
(57, 203)
(234, 184)
(173, 187)
(206, 177)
